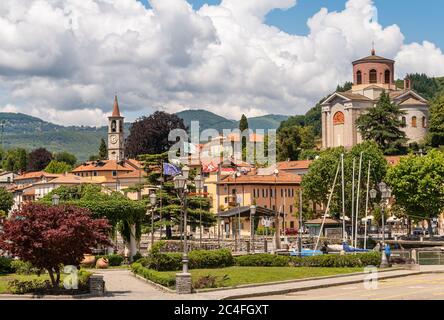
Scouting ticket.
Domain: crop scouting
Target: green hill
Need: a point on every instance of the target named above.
(24, 131)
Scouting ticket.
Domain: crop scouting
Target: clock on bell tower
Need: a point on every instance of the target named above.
(115, 134)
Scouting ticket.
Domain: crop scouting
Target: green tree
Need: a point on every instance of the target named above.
(103, 150)
(38, 159)
(66, 157)
(57, 167)
(15, 160)
(291, 141)
(345, 87)
(243, 123)
(318, 182)
(383, 124)
(418, 185)
(436, 124)
(6, 200)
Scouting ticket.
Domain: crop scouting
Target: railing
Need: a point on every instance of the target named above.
(430, 257)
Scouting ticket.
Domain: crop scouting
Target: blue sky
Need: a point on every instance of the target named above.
(418, 20)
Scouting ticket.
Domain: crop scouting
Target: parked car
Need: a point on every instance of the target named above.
(420, 232)
(291, 231)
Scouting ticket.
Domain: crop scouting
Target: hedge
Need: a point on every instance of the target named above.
(198, 259)
(114, 260)
(5, 265)
(324, 261)
(262, 260)
(163, 279)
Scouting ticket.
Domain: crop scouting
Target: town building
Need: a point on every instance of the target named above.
(372, 75)
(118, 172)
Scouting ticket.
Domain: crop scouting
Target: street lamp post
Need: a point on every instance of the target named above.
(252, 214)
(153, 200)
(55, 199)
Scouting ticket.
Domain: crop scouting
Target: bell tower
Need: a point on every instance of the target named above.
(116, 134)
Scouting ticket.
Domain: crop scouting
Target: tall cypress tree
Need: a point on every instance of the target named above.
(243, 123)
(383, 124)
(103, 150)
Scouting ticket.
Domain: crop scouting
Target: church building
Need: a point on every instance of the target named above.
(371, 76)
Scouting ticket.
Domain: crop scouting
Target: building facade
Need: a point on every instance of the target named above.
(371, 76)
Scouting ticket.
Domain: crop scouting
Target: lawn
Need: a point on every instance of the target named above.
(250, 275)
(4, 279)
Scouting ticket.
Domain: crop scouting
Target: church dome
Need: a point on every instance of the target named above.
(374, 70)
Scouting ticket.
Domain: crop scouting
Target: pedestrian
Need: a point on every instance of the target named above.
(388, 252)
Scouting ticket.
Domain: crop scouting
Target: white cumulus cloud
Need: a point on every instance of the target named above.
(64, 60)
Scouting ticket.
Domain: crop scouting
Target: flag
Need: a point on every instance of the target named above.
(170, 170)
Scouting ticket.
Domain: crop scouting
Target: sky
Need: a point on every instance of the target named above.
(63, 60)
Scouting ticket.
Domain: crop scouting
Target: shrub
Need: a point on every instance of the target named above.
(28, 286)
(137, 256)
(24, 267)
(114, 260)
(371, 258)
(262, 260)
(163, 279)
(262, 231)
(5, 265)
(209, 281)
(207, 259)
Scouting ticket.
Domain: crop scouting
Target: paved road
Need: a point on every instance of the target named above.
(419, 287)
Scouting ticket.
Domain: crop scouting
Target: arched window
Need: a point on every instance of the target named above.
(113, 126)
(424, 122)
(359, 77)
(373, 76)
(338, 118)
(387, 76)
(414, 122)
(404, 120)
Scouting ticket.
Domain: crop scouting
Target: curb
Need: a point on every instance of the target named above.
(263, 284)
(154, 284)
(47, 297)
(320, 286)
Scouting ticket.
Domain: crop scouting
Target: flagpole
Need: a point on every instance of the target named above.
(357, 200)
(353, 203)
(366, 204)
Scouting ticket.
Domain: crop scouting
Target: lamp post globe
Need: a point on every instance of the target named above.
(199, 182)
(382, 187)
(55, 200)
(153, 199)
(186, 171)
(373, 194)
(179, 182)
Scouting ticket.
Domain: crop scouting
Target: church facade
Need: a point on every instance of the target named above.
(371, 76)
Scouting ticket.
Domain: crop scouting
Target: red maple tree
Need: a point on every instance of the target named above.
(52, 236)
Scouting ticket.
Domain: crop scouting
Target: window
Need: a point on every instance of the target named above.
(95, 173)
(387, 76)
(414, 122)
(373, 76)
(263, 193)
(291, 209)
(424, 122)
(114, 173)
(404, 120)
(226, 200)
(274, 208)
(359, 77)
(292, 224)
(282, 193)
(271, 193)
(113, 126)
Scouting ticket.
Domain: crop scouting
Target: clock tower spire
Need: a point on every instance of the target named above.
(115, 134)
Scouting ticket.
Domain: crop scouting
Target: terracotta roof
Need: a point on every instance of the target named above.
(354, 96)
(73, 179)
(283, 178)
(412, 102)
(116, 111)
(289, 165)
(104, 165)
(30, 192)
(254, 137)
(372, 58)
(36, 175)
(132, 174)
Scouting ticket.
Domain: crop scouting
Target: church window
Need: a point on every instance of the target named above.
(359, 77)
(424, 122)
(387, 76)
(414, 122)
(373, 76)
(338, 118)
(113, 126)
(120, 126)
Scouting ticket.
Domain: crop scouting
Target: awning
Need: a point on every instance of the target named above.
(245, 212)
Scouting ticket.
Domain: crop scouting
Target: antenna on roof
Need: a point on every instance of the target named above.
(373, 48)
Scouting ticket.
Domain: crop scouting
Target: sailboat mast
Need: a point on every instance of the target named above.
(353, 202)
(357, 200)
(366, 204)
